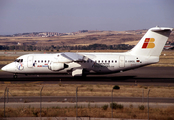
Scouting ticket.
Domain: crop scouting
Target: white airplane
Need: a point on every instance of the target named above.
(146, 52)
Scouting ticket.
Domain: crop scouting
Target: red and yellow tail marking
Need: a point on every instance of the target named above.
(149, 43)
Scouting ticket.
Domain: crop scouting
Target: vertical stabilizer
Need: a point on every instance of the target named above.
(152, 43)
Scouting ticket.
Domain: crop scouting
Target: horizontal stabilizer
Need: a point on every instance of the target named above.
(158, 29)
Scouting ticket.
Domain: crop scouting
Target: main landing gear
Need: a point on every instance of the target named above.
(15, 76)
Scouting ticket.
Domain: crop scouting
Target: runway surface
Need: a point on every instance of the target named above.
(82, 104)
(86, 99)
(148, 76)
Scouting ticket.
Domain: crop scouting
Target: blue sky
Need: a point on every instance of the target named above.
(19, 16)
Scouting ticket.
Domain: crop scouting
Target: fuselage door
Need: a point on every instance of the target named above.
(122, 61)
(30, 61)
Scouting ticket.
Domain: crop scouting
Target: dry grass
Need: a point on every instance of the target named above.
(91, 37)
(132, 42)
(85, 90)
(7, 59)
(129, 113)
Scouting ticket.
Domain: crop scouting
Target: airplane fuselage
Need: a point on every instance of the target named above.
(97, 63)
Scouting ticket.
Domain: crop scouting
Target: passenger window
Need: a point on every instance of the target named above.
(102, 61)
(42, 61)
(112, 61)
(38, 61)
(45, 61)
(115, 61)
(105, 61)
(99, 61)
(108, 61)
(48, 61)
(35, 61)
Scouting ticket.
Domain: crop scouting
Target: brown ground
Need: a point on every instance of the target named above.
(86, 90)
(95, 37)
(96, 112)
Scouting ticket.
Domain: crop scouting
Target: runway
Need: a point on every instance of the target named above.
(147, 76)
(85, 99)
(70, 101)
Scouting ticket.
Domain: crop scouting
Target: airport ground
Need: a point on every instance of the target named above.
(91, 111)
(146, 76)
(143, 78)
(93, 88)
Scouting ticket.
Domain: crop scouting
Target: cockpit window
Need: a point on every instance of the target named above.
(19, 60)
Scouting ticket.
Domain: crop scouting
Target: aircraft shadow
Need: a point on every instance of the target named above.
(92, 79)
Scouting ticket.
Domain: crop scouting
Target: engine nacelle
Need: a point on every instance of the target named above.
(55, 66)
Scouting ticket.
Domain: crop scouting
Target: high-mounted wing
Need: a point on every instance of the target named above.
(74, 56)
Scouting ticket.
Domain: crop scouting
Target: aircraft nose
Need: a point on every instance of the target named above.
(9, 68)
(4, 68)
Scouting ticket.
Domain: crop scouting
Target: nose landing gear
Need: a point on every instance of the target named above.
(15, 76)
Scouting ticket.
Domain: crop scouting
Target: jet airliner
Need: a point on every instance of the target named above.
(146, 52)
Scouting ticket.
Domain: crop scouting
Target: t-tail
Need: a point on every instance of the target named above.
(152, 43)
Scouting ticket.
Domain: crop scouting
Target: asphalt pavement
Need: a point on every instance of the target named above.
(23, 99)
(147, 76)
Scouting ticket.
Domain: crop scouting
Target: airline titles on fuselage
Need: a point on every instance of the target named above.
(95, 64)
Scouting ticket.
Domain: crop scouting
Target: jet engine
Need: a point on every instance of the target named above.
(55, 66)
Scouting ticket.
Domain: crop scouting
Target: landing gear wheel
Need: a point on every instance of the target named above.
(15, 76)
(83, 75)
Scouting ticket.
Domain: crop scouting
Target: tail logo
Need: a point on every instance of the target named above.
(149, 43)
